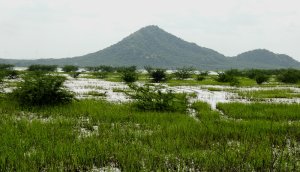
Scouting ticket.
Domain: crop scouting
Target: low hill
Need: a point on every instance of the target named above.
(264, 59)
(156, 47)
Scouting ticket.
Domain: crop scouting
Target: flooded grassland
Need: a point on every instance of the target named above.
(226, 128)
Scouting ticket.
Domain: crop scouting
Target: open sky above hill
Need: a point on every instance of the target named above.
(31, 29)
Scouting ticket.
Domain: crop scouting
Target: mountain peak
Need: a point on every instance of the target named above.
(151, 29)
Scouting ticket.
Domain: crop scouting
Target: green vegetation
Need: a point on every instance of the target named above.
(184, 73)
(40, 89)
(92, 134)
(7, 71)
(102, 68)
(70, 68)
(289, 76)
(262, 94)
(261, 111)
(158, 75)
(154, 99)
(42, 68)
(6, 67)
(74, 74)
(261, 78)
(100, 75)
(228, 77)
(201, 76)
(42, 129)
(128, 74)
(96, 94)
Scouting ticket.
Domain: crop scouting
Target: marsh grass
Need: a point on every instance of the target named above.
(96, 94)
(263, 94)
(135, 141)
(88, 134)
(261, 111)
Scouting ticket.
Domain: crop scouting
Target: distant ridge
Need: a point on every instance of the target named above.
(155, 47)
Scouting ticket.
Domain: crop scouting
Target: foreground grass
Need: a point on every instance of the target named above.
(90, 133)
(261, 111)
(262, 94)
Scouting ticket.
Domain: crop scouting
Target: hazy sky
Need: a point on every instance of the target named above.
(66, 28)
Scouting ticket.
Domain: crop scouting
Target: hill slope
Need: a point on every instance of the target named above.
(153, 46)
(262, 58)
(156, 47)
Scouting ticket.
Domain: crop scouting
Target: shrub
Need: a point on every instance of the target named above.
(39, 89)
(105, 68)
(100, 75)
(200, 77)
(203, 73)
(224, 77)
(70, 68)
(260, 78)
(184, 73)
(42, 68)
(129, 76)
(234, 72)
(234, 82)
(126, 69)
(74, 74)
(11, 74)
(102, 68)
(6, 67)
(252, 73)
(2, 76)
(289, 76)
(158, 75)
(154, 99)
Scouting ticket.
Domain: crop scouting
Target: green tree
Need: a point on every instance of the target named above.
(70, 68)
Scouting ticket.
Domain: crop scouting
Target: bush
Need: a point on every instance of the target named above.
(200, 77)
(252, 73)
(158, 75)
(203, 73)
(123, 69)
(234, 72)
(289, 76)
(234, 82)
(102, 68)
(2, 76)
(42, 68)
(6, 67)
(100, 75)
(224, 77)
(184, 73)
(129, 76)
(11, 74)
(154, 99)
(70, 68)
(39, 89)
(74, 74)
(260, 78)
